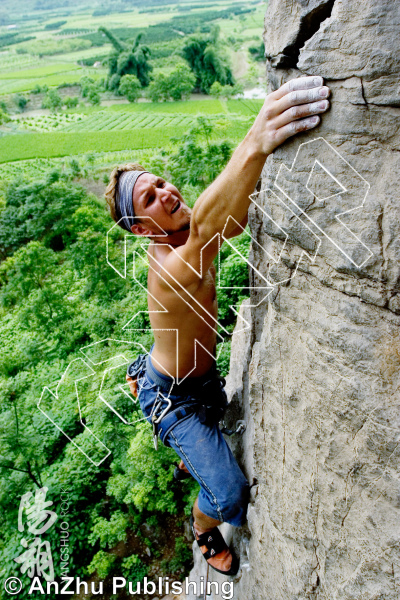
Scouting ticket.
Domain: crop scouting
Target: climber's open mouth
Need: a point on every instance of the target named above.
(176, 207)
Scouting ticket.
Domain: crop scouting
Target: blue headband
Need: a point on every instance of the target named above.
(126, 183)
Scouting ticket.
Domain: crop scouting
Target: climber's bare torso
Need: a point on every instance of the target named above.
(191, 317)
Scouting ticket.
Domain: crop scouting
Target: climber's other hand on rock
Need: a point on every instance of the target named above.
(291, 109)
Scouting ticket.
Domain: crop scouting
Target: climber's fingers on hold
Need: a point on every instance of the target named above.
(305, 90)
(294, 107)
(301, 111)
(298, 84)
(299, 97)
(283, 133)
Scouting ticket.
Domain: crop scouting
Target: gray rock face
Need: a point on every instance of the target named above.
(317, 375)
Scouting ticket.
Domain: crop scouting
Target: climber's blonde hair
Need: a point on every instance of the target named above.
(111, 189)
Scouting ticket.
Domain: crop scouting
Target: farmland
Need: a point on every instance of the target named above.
(62, 51)
(139, 127)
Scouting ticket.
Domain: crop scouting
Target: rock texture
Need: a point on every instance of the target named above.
(317, 375)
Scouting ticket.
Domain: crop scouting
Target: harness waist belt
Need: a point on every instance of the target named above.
(206, 395)
(191, 385)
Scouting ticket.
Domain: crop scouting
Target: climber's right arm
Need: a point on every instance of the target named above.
(285, 112)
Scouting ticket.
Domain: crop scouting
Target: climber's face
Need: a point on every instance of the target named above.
(159, 206)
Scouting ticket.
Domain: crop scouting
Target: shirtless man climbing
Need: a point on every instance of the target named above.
(179, 389)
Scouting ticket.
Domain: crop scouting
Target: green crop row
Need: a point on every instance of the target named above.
(34, 73)
(106, 121)
(48, 122)
(10, 86)
(10, 60)
(47, 145)
(209, 106)
(35, 167)
(53, 144)
(95, 162)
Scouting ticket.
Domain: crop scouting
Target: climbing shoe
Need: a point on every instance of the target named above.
(215, 544)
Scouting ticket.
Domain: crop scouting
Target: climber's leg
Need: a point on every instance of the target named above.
(224, 489)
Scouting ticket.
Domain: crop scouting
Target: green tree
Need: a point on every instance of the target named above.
(4, 118)
(30, 275)
(71, 101)
(86, 84)
(207, 62)
(198, 161)
(130, 87)
(113, 82)
(124, 60)
(40, 89)
(20, 101)
(258, 52)
(158, 88)
(53, 101)
(181, 82)
(216, 90)
(175, 86)
(225, 91)
(93, 95)
(38, 210)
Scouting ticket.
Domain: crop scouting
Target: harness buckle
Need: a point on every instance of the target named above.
(156, 419)
(164, 412)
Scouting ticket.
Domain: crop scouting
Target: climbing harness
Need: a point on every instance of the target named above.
(208, 400)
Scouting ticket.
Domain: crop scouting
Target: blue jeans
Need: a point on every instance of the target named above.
(224, 492)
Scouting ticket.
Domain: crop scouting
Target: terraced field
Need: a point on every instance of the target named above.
(208, 106)
(94, 162)
(42, 71)
(108, 121)
(11, 85)
(52, 144)
(120, 127)
(11, 61)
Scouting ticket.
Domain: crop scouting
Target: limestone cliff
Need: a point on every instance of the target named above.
(317, 375)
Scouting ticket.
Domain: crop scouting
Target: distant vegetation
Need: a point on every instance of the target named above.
(64, 123)
(9, 39)
(55, 25)
(207, 61)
